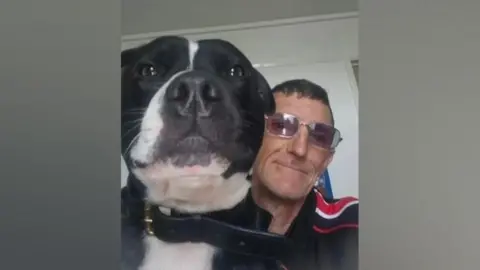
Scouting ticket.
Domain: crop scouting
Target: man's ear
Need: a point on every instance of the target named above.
(129, 56)
(265, 93)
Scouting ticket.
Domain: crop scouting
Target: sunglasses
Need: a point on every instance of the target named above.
(286, 126)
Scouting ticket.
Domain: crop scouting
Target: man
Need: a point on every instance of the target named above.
(299, 143)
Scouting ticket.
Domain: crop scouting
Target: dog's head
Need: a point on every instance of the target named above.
(192, 121)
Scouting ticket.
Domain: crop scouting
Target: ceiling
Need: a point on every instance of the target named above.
(144, 16)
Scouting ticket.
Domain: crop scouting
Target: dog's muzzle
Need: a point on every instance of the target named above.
(200, 118)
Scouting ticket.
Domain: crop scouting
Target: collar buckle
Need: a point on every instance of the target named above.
(148, 219)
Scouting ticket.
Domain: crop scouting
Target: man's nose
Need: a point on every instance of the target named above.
(193, 96)
(298, 144)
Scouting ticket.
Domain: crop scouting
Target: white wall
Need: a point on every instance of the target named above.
(317, 48)
(153, 16)
(301, 40)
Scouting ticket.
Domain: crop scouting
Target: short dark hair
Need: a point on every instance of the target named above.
(305, 89)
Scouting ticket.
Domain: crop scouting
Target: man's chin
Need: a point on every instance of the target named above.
(289, 193)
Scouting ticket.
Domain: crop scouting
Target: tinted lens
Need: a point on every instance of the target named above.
(324, 136)
(282, 125)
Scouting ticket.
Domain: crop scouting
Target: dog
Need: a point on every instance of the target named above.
(192, 124)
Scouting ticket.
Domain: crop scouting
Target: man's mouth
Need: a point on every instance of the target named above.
(292, 167)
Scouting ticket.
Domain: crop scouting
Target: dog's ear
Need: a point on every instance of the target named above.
(265, 93)
(129, 56)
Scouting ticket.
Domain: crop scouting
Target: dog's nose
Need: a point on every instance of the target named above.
(193, 95)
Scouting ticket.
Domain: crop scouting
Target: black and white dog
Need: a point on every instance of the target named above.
(192, 123)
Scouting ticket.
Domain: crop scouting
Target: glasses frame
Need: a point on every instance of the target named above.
(337, 136)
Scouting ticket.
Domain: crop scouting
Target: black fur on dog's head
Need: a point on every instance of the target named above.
(192, 121)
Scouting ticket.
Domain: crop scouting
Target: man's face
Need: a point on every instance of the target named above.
(289, 167)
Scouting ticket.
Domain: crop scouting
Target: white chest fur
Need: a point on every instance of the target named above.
(183, 256)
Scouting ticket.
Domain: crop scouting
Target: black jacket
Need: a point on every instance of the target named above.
(325, 235)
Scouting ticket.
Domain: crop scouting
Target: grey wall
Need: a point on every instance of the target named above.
(141, 16)
(419, 165)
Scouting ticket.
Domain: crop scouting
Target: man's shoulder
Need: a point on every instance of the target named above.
(335, 215)
(335, 221)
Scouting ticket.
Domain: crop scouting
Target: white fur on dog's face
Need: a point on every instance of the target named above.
(188, 189)
(152, 125)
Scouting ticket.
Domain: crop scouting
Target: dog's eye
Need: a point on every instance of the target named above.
(148, 71)
(237, 71)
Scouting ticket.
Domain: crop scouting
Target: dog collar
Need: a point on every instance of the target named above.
(239, 230)
(202, 228)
